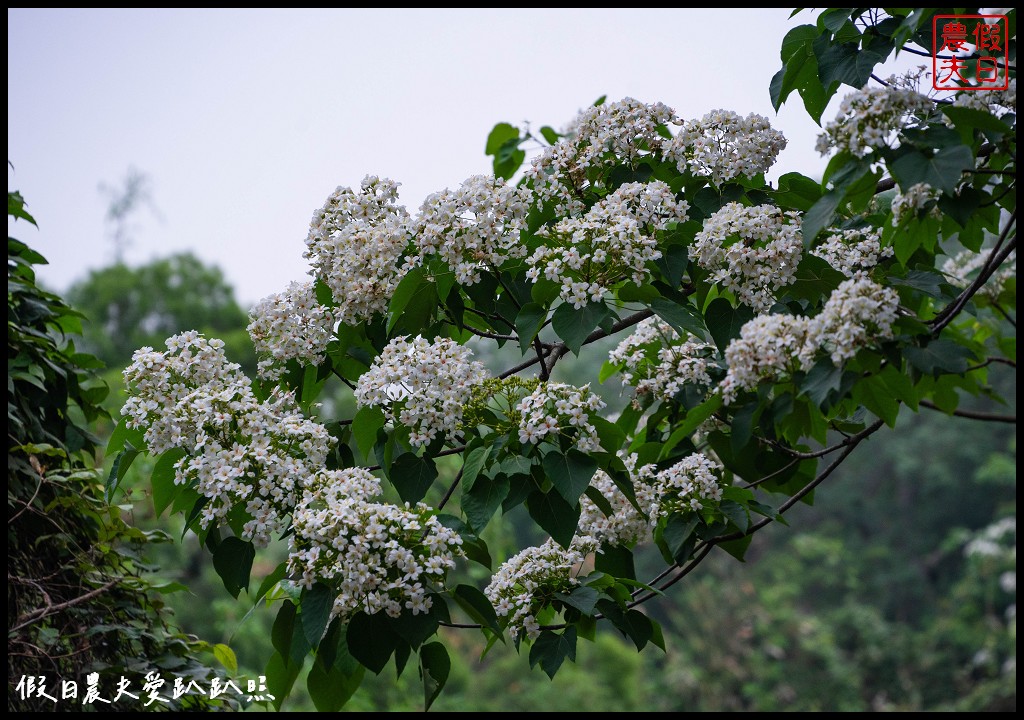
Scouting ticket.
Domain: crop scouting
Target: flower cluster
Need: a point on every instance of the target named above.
(239, 449)
(600, 136)
(626, 525)
(753, 251)
(997, 102)
(856, 314)
(527, 582)
(722, 146)
(554, 409)
(473, 227)
(658, 361)
(686, 486)
(768, 346)
(851, 251)
(906, 205)
(376, 556)
(421, 385)
(356, 243)
(870, 118)
(962, 270)
(290, 325)
(614, 241)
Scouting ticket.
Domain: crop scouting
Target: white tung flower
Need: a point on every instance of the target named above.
(290, 325)
(723, 145)
(851, 251)
(421, 385)
(657, 360)
(752, 251)
(871, 117)
(559, 409)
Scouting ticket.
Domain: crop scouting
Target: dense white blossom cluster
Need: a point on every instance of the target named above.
(686, 486)
(290, 325)
(906, 205)
(856, 314)
(852, 251)
(658, 361)
(997, 102)
(356, 243)
(554, 409)
(239, 449)
(421, 385)
(613, 241)
(752, 251)
(377, 556)
(473, 227)
(600, 136)
(870, 118)
(626, 525)
(523, 584)
(962, 270)
(723, 145)
(768, 346)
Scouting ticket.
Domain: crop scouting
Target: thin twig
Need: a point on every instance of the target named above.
(973, 415)
(451, 489)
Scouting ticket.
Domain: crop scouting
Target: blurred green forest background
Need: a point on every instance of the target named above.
(895, 591)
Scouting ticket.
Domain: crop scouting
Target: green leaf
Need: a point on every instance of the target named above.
(797, 192)
(872, 393)
(122, 462)
(583, 598)
(499, 135)
(551, 650)
(570, 473)
(281, 677)
(162, 479)
(473, 464)
(815, 279)
(973, 119)
(279, 573)
(315, 612)
(331, 687)
(679, 538)
(939, 356)
(402, 294)
(226, 657)
(683, 320)
(573, 326)
(233, 562)
(737, 548)
(822, 380)
(415, 629)
(367, 421)
(371, 640)
(820, 215)
(725, 322)
(528, 324)
(943, 170)
(413, 476)
(556, 516)
(481, 499)
(434, 667)
(477, 606)
(615, 560)
(122, 436)
(549, 134)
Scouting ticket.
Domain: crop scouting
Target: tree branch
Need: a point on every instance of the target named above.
(972, 414)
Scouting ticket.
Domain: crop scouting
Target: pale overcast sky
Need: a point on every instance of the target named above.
(245, 120)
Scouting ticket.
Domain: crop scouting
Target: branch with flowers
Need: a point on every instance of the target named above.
(755, 322)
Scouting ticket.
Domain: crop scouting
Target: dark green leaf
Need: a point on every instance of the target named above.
(820, 215)
(583, 598)
(403, 293)
(331, 687)
(821, 381)
(943, 170)
(724, 321)
(737, 548)
(233, 562)
(556, 516)
(435, 666)
(315, 612)
(371, 640)
(412, 476)
(573, 326)
(678, 535)
(122, 462)
(939, 356)
(162, 479)
(367, 421)
(281, 677)
(615, 560)
(415, 629)
(477, 606)
(482, 498)
(570, 473)
(682, 318)
(551, 650)
(528, 324)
